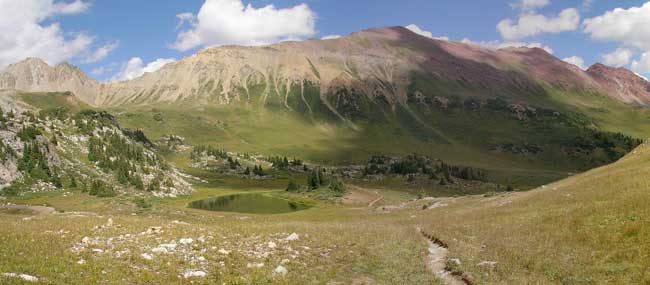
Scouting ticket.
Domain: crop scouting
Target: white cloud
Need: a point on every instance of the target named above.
(643, 64)
(501, 45)
(330, 37)
(586, 4)
(414, 28)
(135, 68)
(529, 5)
(221, 22)
(184, 18)
(618, 58)
(576, 60)
(75, 7)
(26, 30)
(628, 26)
(531, 24)
(100, 53)
(528, 45)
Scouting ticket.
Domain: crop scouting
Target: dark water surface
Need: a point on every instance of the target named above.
(248, 203)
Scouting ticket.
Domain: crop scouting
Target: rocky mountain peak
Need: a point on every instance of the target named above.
(35, 75)
(626, 85)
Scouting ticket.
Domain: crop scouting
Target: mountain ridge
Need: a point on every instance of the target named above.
(375, 62)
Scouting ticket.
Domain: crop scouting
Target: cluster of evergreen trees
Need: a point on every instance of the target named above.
(100, 189)
(316, 179)
(202, 150)
(114, 153)
(283, 163)
(257, 171)
(87, 121)
(614, 145)
(233, 163)
(35, 165)
(414, 164)
(28, 133)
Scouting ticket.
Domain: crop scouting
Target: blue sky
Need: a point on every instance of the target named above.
(120, 39)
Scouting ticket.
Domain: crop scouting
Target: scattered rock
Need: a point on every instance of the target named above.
(159, 250)
(487, 263)
(169, 246)
(280, 270)
(25, 277)
(224, 252)
(292, 237)
(272, 245)
(186, 241)
(255, 265)
(437, 205)
(147, 256)
(192, 273)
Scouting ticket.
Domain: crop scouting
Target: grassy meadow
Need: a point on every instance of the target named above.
(588, 229)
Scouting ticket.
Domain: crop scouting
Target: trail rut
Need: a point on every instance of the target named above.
(436, 260)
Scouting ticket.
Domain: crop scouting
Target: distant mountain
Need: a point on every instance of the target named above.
(35, 75)
(379, 64)
(621, 84)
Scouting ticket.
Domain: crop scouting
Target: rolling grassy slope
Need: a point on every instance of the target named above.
(590, 228)
(459, 134)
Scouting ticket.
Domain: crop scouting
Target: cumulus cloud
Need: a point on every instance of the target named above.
(529, 5)
(100, 53)
(628, 26)
(643, 64)
(576, 60)
(330, 37)
(586, 4)
(135, 68)
(414, 28)
(27, 30)
(524, 44)
(184, 18)
(530, 24)
(619, 57)
(221, 22)
(501, 45)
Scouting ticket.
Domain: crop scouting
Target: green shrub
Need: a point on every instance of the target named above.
(337, 187)
(293, 187)
(141, 203)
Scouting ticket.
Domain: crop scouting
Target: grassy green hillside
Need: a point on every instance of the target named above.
(523, 140)
(591, 228)
(52, 100)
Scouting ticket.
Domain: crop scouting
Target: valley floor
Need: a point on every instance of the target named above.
(90, 240)
(591, 228)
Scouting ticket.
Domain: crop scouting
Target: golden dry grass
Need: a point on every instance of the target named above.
(589, 229)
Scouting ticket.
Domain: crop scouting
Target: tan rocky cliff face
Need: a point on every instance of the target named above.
(35, 75)
(373, 63)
